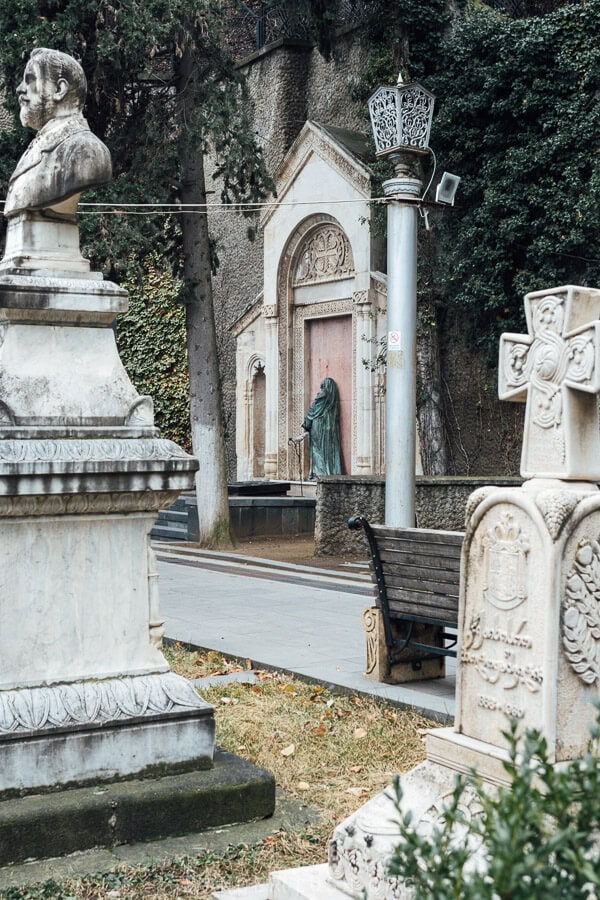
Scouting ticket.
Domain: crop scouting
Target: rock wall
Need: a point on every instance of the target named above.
(440, 503)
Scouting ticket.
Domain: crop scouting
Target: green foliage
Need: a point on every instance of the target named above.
(519, 120)
(152, 341)
(537, 838)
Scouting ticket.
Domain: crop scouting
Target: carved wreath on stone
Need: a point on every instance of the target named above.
(581, 615)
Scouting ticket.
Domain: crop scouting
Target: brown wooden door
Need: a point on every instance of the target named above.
(328, 353)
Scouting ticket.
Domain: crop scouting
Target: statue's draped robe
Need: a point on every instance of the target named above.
(322, 422)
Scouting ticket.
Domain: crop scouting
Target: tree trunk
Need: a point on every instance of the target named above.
(206, 407)
(432, 434)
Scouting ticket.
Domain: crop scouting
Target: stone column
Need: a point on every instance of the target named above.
(364, 416)
(272, 391)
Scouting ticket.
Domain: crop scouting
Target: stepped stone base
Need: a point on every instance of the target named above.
(46, 825)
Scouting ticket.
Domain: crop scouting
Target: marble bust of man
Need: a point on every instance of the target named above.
(64, 157)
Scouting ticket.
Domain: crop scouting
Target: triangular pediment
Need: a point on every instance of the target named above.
(343, 151)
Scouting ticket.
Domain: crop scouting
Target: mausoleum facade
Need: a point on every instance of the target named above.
(321, 312)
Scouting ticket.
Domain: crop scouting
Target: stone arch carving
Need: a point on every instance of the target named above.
(325, 254)
(317, 251)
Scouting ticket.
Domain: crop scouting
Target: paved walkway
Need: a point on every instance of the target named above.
(302, 620)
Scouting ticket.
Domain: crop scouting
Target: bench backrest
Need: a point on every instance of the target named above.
(421, 571)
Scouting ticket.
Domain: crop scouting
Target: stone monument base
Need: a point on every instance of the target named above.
(90, 732)
(362, 845)
(66, 821)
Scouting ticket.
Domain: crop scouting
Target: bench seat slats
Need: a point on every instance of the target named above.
(418, 535)
(393, 558)
(448, 617)
(418, 575)
(400, 590)
(433, 551)
(428, 601)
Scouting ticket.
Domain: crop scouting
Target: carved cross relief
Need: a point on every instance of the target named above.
(555, 368)
(325, 255)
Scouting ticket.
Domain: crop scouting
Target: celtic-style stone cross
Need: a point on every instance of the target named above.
(556, 369)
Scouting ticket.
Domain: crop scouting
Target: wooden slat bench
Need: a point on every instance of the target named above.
(412, 627)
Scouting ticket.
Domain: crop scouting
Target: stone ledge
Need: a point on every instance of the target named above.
(48, 825)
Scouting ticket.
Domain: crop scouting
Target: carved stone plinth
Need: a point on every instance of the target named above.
(58, 367)
(42, 241)
(93, 731)
(85, 692)
(413, 666)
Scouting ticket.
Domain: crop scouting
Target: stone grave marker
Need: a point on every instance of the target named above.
(529, 615)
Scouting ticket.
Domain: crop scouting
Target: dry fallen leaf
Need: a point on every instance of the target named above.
(289, 750)
(355, 791)
(360, 733)
(320, 730)
(356, 769)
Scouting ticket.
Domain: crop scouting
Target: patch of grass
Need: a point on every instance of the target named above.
(330, 750)
(197, 664)
(327, 750)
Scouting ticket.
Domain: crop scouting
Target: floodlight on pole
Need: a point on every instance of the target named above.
(401, 121)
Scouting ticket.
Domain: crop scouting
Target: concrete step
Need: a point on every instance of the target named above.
(305, 883)
(256, 892)
(173, 515)
(172, 531)
(67, 821)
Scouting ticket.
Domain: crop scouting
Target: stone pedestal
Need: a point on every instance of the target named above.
(413, 665)
(45, 240)
(85, 692)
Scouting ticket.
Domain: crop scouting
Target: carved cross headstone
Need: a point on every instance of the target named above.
(556, 369)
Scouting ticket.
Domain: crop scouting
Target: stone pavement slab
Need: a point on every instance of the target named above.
(299, 620)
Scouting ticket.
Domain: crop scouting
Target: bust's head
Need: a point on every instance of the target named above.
(53, 86)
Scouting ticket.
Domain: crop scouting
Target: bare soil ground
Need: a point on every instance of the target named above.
(298, 549)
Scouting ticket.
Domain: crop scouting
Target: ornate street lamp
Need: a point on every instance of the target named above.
(401, 120)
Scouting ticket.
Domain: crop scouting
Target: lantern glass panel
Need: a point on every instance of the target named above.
(383, 107)
(416, 108)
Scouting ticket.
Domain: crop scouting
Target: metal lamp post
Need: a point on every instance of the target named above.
(401, 120)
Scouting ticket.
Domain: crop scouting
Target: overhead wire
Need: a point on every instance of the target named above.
(202, 208)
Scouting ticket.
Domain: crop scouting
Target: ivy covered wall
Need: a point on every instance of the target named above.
(151, 340)
(517, 117)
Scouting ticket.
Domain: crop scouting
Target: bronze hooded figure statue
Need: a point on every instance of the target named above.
(322, 422)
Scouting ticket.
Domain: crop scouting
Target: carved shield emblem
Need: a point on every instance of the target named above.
(505, 564)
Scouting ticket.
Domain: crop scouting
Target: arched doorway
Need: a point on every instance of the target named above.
(316, 287)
